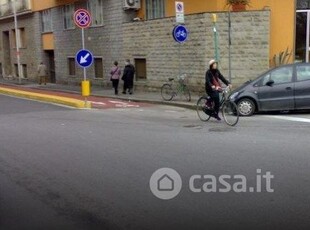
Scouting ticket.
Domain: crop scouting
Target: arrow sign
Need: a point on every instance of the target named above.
(84, 58)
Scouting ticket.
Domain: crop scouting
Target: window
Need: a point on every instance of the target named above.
(303, 4)
(68, 11)
(21, 38)
(13, 39)
(155, 9)
(1, 73)
(303, 73)
(279, 76)
(140, 64)
(23, 69)
(46, 19)
(71, 66)
(96, 10)
(98, 68)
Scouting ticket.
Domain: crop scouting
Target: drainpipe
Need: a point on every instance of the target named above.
(17, 36)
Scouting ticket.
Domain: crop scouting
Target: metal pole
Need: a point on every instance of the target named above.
(180, 71)
(84, 69)
(83, 45)
(229, 46)
(17, 36)
(216, 53)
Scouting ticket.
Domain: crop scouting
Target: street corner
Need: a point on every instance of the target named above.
(44, 97)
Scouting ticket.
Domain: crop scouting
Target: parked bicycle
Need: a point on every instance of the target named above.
(170, 90)
(229, 110)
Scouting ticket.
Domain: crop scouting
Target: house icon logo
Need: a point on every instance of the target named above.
(165, 183)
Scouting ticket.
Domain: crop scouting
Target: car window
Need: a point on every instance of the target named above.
(303, 73)
(266, 78)
(282, 75)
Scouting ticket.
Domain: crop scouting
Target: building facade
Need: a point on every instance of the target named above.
(144, 35)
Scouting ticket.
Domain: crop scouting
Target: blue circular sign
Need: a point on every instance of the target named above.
(180, 33)
(84, 58)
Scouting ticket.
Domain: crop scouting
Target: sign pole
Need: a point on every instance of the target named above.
(83, 46)
(229, 45)
(180, 31)
(84, 69)
(180, 70)
(84, 58)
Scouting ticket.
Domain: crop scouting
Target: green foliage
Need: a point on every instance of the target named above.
(233, 2)
(282, 58)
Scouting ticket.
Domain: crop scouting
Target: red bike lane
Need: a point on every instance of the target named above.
(96, 101)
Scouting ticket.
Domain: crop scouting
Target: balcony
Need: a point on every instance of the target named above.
(6, 6)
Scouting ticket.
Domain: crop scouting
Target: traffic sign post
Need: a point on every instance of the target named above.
(84, 57)
(179, 12)
(180, 35)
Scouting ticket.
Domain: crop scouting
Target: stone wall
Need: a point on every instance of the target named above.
(31, 54)
(153, 41)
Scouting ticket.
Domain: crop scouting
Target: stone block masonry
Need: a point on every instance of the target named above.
(153, 41)
(30, 53)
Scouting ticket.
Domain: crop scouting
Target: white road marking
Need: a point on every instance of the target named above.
(297, 119)
(98, 103)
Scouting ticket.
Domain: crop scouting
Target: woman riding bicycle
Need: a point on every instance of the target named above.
(213, 86)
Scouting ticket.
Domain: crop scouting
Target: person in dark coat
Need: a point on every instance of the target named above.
(213, 86)
(128, 77)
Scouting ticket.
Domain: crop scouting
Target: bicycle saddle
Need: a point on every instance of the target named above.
(170, 79)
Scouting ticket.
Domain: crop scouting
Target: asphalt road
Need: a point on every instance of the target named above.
(90, 169)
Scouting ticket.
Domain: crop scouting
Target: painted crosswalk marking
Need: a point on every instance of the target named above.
(296, 119)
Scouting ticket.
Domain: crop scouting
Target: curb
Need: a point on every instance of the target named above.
(79, 104)
(150, 101)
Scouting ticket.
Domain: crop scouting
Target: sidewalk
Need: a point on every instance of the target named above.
(97, 91)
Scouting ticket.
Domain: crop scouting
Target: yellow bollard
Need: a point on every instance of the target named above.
(85, 88)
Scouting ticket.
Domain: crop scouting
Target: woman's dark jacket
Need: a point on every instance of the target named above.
(210, 77)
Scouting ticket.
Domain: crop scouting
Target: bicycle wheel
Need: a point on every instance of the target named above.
(167, 92)
(230, 113)
(187, 93)
(202, 109)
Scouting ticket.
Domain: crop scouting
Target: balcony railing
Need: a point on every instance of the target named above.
(6, 6)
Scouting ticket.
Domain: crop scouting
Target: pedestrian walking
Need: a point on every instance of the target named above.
(115, 76)
(128, 77)
(42, 73)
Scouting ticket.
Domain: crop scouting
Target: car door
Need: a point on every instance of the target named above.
(276, 91)
(302, 86)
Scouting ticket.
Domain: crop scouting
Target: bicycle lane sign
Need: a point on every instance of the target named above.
(82, 18)
(180, 33)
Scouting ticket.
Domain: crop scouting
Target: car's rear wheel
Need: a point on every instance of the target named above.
(246, 107)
